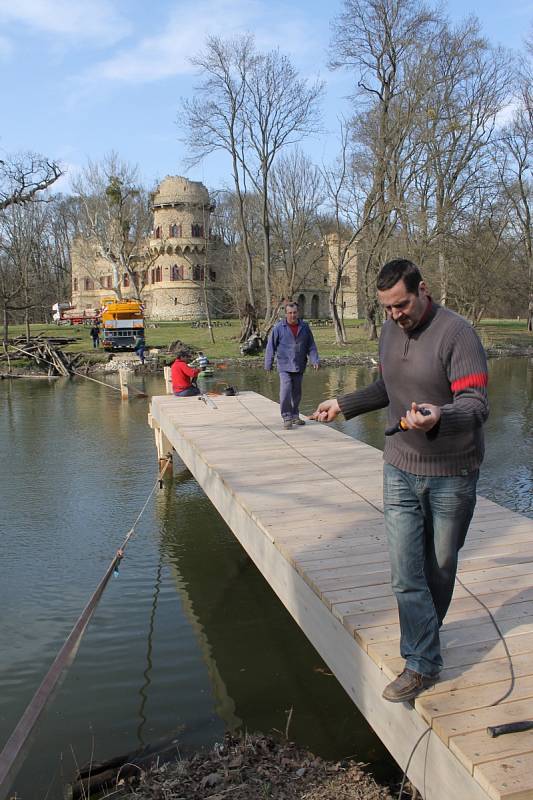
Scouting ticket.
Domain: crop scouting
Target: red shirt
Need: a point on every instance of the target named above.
(182, 375)
(294, 328)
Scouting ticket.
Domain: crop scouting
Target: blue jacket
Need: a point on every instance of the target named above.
(291, 351)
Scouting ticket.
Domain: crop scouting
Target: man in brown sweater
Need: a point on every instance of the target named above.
(434, 377)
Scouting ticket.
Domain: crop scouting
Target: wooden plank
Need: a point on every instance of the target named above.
(465, 655)
(478, 720)
(473, 749)
(445, 703)
(481, 673)
(509, 779)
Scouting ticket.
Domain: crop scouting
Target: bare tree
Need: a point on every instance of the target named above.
(384, 42)
(24, 176)
(296, 194)
(214, 120)
(280, 109)
(250, 105)
(341, 224)
(115, 219)
(468, 84)
(512, 158)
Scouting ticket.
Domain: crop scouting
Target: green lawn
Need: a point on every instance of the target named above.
(494, 333)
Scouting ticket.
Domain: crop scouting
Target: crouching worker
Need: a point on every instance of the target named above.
(183, 376)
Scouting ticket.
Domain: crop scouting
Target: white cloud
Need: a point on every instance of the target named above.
(167, 53)
(79, 19)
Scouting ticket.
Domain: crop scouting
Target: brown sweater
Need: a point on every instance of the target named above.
(441, 362)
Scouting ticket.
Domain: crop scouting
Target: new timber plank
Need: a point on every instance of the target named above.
(509, 779)
(306, 505)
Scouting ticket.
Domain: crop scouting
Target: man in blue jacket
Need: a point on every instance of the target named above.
(291, 341)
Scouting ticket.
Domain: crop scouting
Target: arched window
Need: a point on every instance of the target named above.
(125, 280)
(212, 275)
(301, 304)
(75, 284)
(158, 233)
(314, 307)
(197, 230)
(197, 273)
(345, 280)
(88, 284)
(174, 230)
(158, 275)
(176, 272)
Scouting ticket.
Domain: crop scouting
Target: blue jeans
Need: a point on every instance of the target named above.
(427, 519)
(290, 394)
(190, 391)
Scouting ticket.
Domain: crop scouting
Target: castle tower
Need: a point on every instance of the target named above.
(182, 252)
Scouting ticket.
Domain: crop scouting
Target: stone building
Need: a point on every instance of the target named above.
(181, 252)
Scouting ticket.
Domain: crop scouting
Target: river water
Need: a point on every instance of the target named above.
(188, 639)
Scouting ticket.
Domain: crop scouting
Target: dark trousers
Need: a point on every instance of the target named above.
(290, 394)
(191, 391)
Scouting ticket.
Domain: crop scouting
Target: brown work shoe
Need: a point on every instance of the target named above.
(407, 686)
(287, 424)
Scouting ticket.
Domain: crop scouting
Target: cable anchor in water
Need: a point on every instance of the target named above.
(118, 558)
(402, 426)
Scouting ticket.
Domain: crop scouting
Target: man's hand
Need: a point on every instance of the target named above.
(418, 422)
(317, 365)
(326, 411)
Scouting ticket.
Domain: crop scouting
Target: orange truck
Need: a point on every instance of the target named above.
(122, 321)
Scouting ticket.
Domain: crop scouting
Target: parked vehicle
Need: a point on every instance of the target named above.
(66, 314)
(122, 321)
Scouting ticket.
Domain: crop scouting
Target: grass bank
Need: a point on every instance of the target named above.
(496, 335)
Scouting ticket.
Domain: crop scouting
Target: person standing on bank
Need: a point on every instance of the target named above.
(434, 376)
(292, 342)
(95, 335)
(139, 345)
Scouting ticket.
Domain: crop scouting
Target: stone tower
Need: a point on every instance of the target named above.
(183, 251)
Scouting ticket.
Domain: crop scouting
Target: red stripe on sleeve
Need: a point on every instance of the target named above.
(470, 381)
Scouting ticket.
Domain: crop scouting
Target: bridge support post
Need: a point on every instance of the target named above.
(163, 446)
(123, 376)
(168, 380)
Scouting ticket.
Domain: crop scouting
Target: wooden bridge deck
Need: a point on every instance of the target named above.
(306, 505)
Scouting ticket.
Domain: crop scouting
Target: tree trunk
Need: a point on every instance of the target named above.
(266, 255)
(248, 323)
(6, 327)
(371, 324)
(443, 274)
(340, 336)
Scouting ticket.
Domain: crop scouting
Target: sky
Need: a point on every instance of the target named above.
(79, 78)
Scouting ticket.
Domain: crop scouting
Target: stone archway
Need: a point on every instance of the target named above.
(315, 307)
(301, 304)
